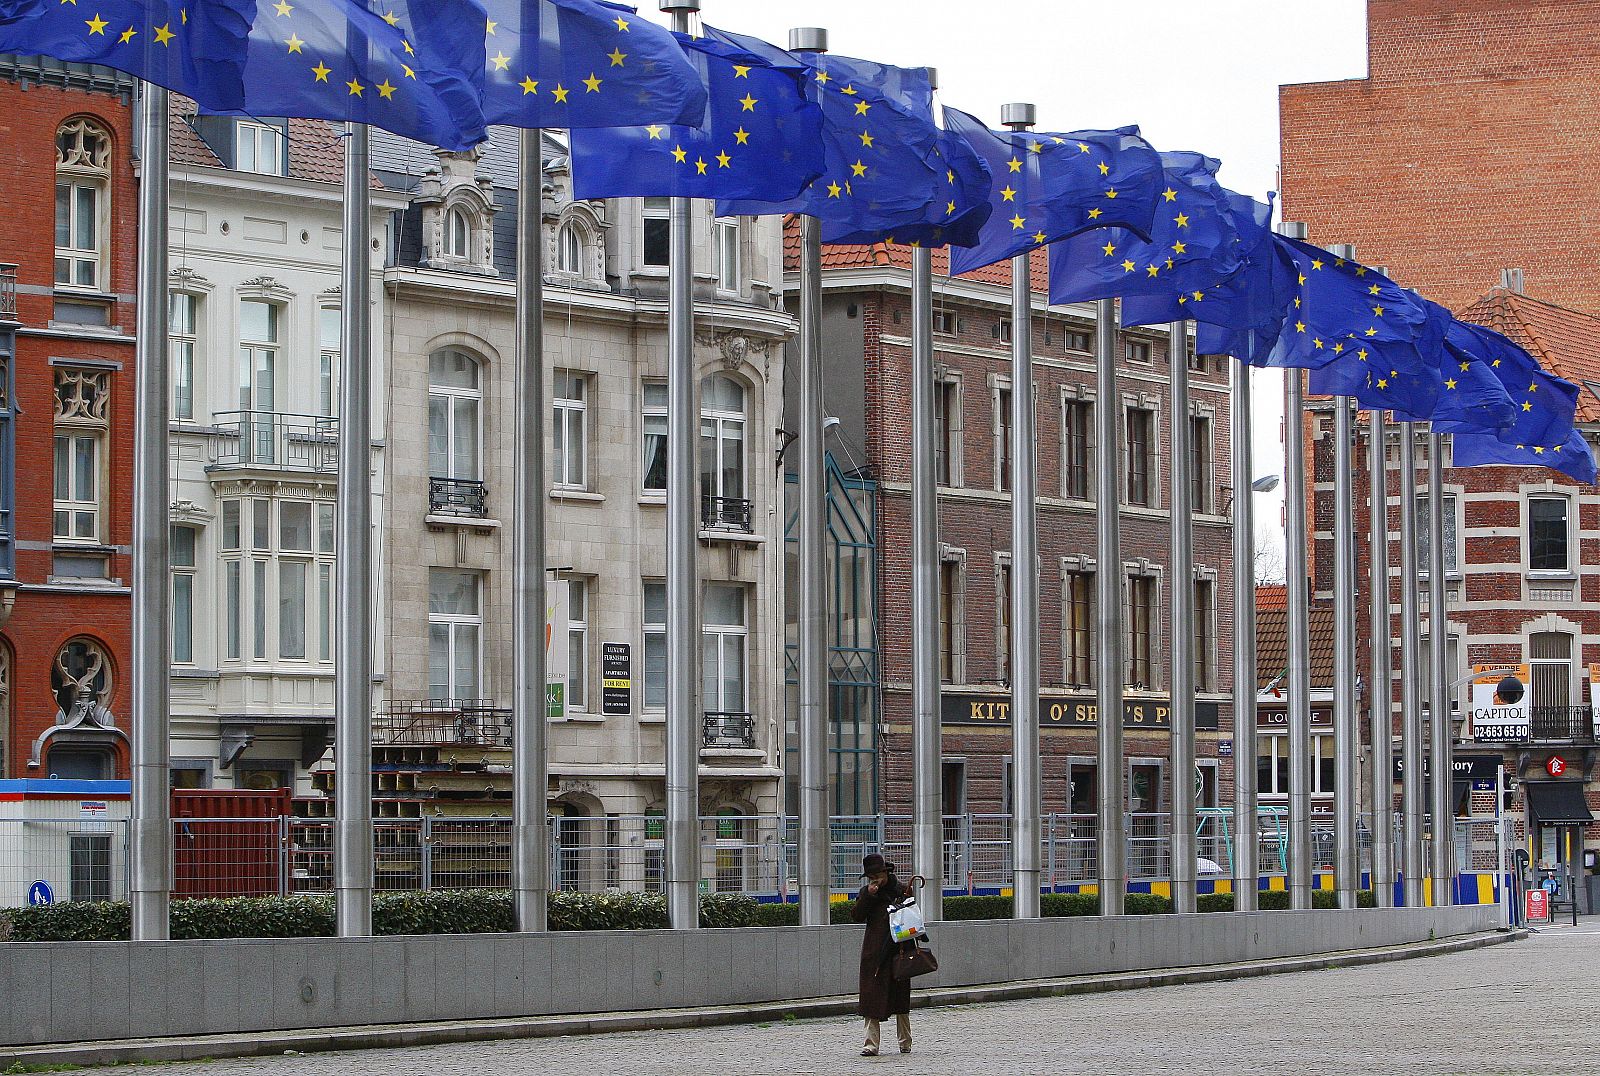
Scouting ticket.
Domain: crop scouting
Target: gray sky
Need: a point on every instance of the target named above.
(1193, 74)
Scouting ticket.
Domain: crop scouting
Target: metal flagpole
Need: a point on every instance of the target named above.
(1183, 636)
(684, 720)
(1346, 729)
(1411, 857)
(150, 832)
(530, 765)
(926, 737)
(1380, 678)
(1245, 847)
(1439, 717)
(1299, 642)
(1024, 642)
(352, 657)
(815, 884)
(1110, 823)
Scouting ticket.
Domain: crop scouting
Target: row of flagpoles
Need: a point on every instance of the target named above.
(1154, 232)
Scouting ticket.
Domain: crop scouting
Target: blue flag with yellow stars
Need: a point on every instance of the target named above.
(1542, 404)
(1193, 244)
(322, 59)
(1571, 455)
(882, 170)
(761, 138)
(579, 63)
(957, 212)
(1049, 187)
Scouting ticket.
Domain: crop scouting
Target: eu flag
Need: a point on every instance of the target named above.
(1340, 307)
(1049, 187)
(882, 171)
(579, 63)
(959, 208)
(329, 59)
(1543, 405)
(761, 138)
(1193, 244)
(1571, 455)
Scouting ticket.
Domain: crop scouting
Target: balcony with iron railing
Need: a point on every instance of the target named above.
(275, 441)
(465, 497)
(433, 722)
(8, 292)
(730, 514)
(724, 729)
(1561, 725)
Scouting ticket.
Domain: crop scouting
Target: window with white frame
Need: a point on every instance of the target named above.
(653, 415)
(1201, 455)
(458, 233)
(657, 232)
(182, 317)
(1138, 351)
(1425, 533)
(569, 249)
(233, 579)
(1143, 629)
(722, 477)
(944, 322)
(655, 646)
(277, 579)
(952, 625)
(184, 540)
(455, 635)
(723, 649)
(83, 177)
(1550, 667)
(577, 644)
(1077, 608)
(1002, 618)
(1077, 441)
(1002, 330)
(455, 401)
(82, 408)
(1141, 456)
(1549, 535)
(262, 148)
(1002, 436)
(570, 430)
(725, 235)
(947, 431)
(1272, 765)
(258, 378)
(329, 324)
(1205, 643)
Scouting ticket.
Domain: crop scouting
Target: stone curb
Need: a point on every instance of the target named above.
(145, 1051)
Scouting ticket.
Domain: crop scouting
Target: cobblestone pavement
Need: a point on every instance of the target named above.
(1525, 1007)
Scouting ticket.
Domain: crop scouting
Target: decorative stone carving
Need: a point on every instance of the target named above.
(456, 185)
(736, 349)
(82, 396)
(84, 146)
(184, 278)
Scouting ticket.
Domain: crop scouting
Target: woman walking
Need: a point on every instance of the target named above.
(881, 994)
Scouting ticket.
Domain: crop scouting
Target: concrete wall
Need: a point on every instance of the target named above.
(78, 991)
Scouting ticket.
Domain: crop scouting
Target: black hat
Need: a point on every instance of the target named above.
(876, 864)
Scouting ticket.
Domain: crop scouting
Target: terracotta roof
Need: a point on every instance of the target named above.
(1272, 642)
(1272, 596)
(315, 150)
(898, 256)
(1566, 342)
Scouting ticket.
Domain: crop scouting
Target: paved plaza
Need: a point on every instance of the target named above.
(1516, 1008)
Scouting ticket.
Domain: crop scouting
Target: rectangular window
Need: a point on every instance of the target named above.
(78, 231)
(292, 609)
(947, 431)
(577, 645)
(1138, 351)
(655, 646)
(183, 569)
(1078, 613)
(944, 322)
(325, 620)
(570, 422)
(1076, 340)
(1200, 463)
(328, 330)
(1424, 532)
(1002, 438)
(1205, 646)
(261, 524)
(233, 614)
(1142, 620)
(1141, 450)
(950, 628)
(1550, 657)
(725, 231)
(1548, 535)
(723, 650)
(1077, 434)
(325, 531)
(258, 598)
(654, 417)
(455, 628)
(259, 148)
(657, 232)
(1002, 640)
(1272, 765)
(1002, 330)
(77, 487)
(232, 533)
(258, 380)
(182, 309)
(294, 526)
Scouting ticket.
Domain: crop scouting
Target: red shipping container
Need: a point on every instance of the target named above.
(228, 843)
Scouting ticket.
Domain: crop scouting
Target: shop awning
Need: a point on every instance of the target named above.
(1558, 802)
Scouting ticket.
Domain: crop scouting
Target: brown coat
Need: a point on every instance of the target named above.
(881, 995)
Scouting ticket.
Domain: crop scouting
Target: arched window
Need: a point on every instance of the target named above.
(722, 477)
(1550, 655)
(455, 401)
(83, 173)
(458, 234)
(81, 678)
(569, 249)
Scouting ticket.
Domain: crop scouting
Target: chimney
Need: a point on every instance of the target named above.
(1511, 280)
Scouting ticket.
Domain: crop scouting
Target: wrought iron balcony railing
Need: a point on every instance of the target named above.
(457, 497)
(279, 441)
(472, 722)
(725, 513)
(724, 729)
(8, 292)
(1561, 724)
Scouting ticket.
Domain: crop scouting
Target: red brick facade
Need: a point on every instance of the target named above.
(50, 610)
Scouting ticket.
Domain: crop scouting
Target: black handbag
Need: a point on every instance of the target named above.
(913, 959)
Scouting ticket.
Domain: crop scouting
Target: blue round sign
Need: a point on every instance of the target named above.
(41, 893)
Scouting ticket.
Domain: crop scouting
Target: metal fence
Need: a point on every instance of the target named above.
(83, 859)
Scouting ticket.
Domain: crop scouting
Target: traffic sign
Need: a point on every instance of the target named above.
(41, 893)
(1556, 766)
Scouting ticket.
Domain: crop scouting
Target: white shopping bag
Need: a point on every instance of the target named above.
(906, 922)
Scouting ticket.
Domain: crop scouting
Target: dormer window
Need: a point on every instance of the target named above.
(458, 234)
(457, 204)
(569, 249)
(262, 148)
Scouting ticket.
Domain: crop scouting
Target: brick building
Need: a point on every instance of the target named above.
(1467, 162)
(867, 354)
(66, 418)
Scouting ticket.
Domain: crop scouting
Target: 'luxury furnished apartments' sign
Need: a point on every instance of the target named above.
(1070, 712)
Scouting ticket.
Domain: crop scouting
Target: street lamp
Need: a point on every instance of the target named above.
(1265, 484)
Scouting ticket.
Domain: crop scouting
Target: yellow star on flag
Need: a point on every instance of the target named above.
(858, 169)
(1170, 195)
(1128, 267)
(742, 137)
(127, 36)
(282, 7)
(560, 94)
(822, 77)
(700, 166)
(1450, 383)
(1316, 263)
(500, 60)
(529, 84)
(680, 154)
(1014, 164)
(1180, 247)
(97, 25)
(1094, 214)
(617, 56)
(862, 107)
(1009, 194)
(1110, 249)
(748, 103)
(741, 71)
(622, 24)
(1039, 237)
(1181, 220)
(391, 18)
(654, 130)
(1153, 270)
(295, 42)
(1017, 222)
(1105, 169)
(723, 159)
(164, 33)
(385, 89)
(866, 139)
(834, 189)
(591, 84)
(490, 27)
(355, 88)
(1112, 193)
(322, 71)
(409, 73)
